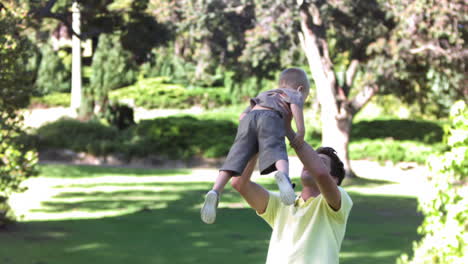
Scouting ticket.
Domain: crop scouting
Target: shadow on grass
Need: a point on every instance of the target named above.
(363, 182)
(380, 228)
(82, 171)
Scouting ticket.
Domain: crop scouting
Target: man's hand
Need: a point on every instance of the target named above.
(298, 140)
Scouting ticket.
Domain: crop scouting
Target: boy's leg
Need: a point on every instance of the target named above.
(208, 210)
(221, 181)
(284, 183)
(282, 165)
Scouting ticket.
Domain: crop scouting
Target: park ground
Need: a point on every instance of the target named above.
(88, 214)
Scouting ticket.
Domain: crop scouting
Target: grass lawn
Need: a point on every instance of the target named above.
(84, 214)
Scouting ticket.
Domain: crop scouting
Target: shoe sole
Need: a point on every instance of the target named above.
(208, 211)
(286, 191)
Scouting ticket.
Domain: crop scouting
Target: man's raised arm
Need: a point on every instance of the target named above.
(315, 166)
(255, 195)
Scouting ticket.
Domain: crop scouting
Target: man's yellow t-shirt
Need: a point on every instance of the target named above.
(306, 232)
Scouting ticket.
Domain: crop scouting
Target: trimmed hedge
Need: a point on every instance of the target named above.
(91, 137)
(182, 137)
(417, 130)
(179, 137)
(52, 100)
(156, 93)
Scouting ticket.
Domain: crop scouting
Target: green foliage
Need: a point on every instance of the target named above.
(163, 62)
(383, 150)
(52, 100)
(445, 204)
(184, 137)
(155, 93)
(91, 137)
(422, 59)
(172, 137)
(119, 115)
(112, 68)
(52, 76)
(421, 131)
(17, 159)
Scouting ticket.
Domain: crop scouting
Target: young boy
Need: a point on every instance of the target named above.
(261, 130)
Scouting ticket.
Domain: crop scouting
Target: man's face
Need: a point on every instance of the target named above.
(326, 161)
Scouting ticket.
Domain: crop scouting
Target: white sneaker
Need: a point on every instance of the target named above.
(208, 211)
(286, 190)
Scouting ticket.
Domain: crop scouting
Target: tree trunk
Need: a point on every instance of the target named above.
(336, 134)
(337, 111)
(76, 93)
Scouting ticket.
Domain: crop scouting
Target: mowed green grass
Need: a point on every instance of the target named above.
(116, 215)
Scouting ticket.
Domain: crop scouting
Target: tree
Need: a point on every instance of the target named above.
(337, 108)
(208, 34)
(138, 31)
(382, 54)
(17, 159)
(52, 75)
(111, 68)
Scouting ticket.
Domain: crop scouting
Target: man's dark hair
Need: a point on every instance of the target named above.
(337, 166)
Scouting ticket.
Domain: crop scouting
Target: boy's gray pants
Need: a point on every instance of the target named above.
(259, 131)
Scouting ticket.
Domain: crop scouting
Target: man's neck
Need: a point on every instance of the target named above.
(309, 192)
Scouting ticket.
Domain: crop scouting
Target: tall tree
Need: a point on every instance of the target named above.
(138, 31)
(337, 106)
(373, 35)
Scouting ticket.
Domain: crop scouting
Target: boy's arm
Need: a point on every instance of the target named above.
(254, 194)
(298, 116)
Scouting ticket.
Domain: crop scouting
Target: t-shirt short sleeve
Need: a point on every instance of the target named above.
(294, 97)
(346, 204)
(272, 209)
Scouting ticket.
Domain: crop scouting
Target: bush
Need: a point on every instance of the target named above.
(119, 115)
(179, 137)
(393, 150)
(52, 75)
(156, 93)
(444, 205)
(52, 100)
(17, 159)
(91, 137)
(421, 131)
(183, 137)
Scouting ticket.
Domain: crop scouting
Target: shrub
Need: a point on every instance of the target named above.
(17, 159)
(52, 100)
(178, 137)
(91, 137)
(52, 75)
(156, 93)
(119, 115)
(183, 137)
(421, 131)
(392, 150)
(444, 205)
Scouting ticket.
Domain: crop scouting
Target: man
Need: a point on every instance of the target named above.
(312, 229)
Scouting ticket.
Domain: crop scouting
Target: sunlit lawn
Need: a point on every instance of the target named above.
(115, 215)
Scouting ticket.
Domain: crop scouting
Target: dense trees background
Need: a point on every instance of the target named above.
(181, 53)
(354, 49)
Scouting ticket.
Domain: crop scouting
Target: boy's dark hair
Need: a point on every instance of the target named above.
(337, 166)
(293, 78)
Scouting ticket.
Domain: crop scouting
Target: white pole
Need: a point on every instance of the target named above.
(76, 58)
